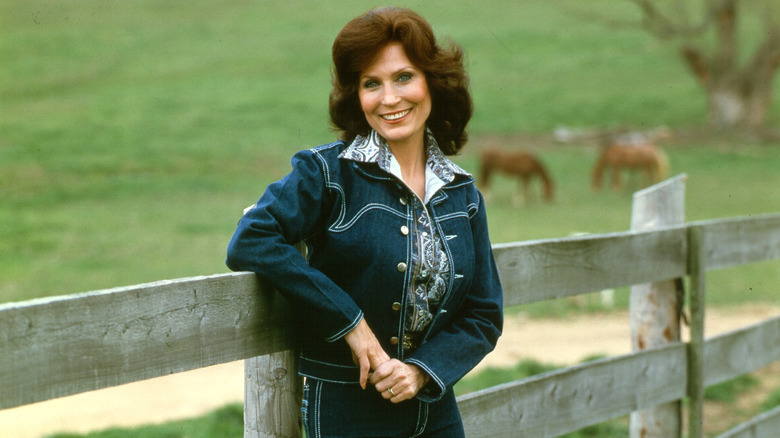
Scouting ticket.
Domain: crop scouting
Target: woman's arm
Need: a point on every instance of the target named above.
(289, 211)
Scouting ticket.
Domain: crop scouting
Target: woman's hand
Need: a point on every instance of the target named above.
(398, 381)
(366, 351)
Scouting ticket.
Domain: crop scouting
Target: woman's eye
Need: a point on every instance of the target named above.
(405, 77)
(370, 83)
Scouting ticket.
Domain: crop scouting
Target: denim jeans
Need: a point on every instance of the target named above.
(345, 410)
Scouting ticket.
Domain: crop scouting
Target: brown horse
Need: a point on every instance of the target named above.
(636, 155)
(521, 164)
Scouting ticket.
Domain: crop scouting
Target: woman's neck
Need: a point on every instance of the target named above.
(411, 159)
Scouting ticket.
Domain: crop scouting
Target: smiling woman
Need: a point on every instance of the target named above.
(358, 46)
(399, 294)
(395, 99)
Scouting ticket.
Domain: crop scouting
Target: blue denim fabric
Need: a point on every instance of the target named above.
(346, 410)
(350, 216)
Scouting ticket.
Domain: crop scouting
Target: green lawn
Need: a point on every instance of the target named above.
(132, 134)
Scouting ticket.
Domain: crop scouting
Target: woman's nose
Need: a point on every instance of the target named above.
(390, 96)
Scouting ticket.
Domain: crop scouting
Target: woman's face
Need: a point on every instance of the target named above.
(394, 97)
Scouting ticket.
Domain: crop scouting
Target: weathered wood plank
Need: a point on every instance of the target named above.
(272, 396)
(273, 393)
(655, 307)
(737, 241)
(741, 351)
(66, 345)
(765, 425)
(555, 268)
(570, 399)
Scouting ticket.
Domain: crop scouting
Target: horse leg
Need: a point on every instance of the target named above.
(615, 178)
(519, 199)
(485, 181)
(647, 177)
(528, 193)
(486, 194)
(596, 174)
(655, 173)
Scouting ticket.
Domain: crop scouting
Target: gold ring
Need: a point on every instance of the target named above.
(390, 390)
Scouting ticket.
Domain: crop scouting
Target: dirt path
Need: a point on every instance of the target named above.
(189, 394)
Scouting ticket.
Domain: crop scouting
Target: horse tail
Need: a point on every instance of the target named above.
(662, 161)
(549, 187)
(598, 170)
(485, 169)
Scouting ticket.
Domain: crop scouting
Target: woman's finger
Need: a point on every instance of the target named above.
(364, 365)
(397, 381)
(367, 353)
(383, 372)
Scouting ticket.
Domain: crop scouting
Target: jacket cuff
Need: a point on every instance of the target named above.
(343, 332)
(434, 390)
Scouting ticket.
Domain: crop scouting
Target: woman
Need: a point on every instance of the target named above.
(399, 295)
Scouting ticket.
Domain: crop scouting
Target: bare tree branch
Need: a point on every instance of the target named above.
(766, 59)
(725, 13)
(708, 32)
(662, 26)
(697, 63)
(771, 16)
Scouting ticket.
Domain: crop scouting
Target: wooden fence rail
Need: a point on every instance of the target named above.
(65, 345)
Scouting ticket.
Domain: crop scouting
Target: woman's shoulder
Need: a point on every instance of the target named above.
(464, 183)
(329, 149)
(325, 154)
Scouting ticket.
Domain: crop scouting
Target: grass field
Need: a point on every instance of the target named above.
(132, 134)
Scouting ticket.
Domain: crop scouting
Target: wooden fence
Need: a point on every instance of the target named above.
(65, 345)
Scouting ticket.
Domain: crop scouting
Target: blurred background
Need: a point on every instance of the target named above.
(133, 133)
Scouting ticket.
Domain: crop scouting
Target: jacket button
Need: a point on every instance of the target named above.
(394, 340)
(404, 230)
(401, 267)
(403, 201)
(396, 306)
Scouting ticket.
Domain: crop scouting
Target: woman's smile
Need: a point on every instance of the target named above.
(396, 116)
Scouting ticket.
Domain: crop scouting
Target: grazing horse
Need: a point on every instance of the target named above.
(631, 153)
(521, 164)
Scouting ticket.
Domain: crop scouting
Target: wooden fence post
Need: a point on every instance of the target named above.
(272, 396)
(695, 390)
(273, 392)
(654, 308)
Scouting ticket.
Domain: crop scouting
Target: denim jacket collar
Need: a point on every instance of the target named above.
(439, 170)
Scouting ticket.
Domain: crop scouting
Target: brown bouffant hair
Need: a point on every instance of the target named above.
(357, 46)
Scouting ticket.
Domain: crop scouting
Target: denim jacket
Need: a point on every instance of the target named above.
(352, 215)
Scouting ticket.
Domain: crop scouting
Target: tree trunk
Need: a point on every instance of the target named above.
(734, 106)
(739, 97)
